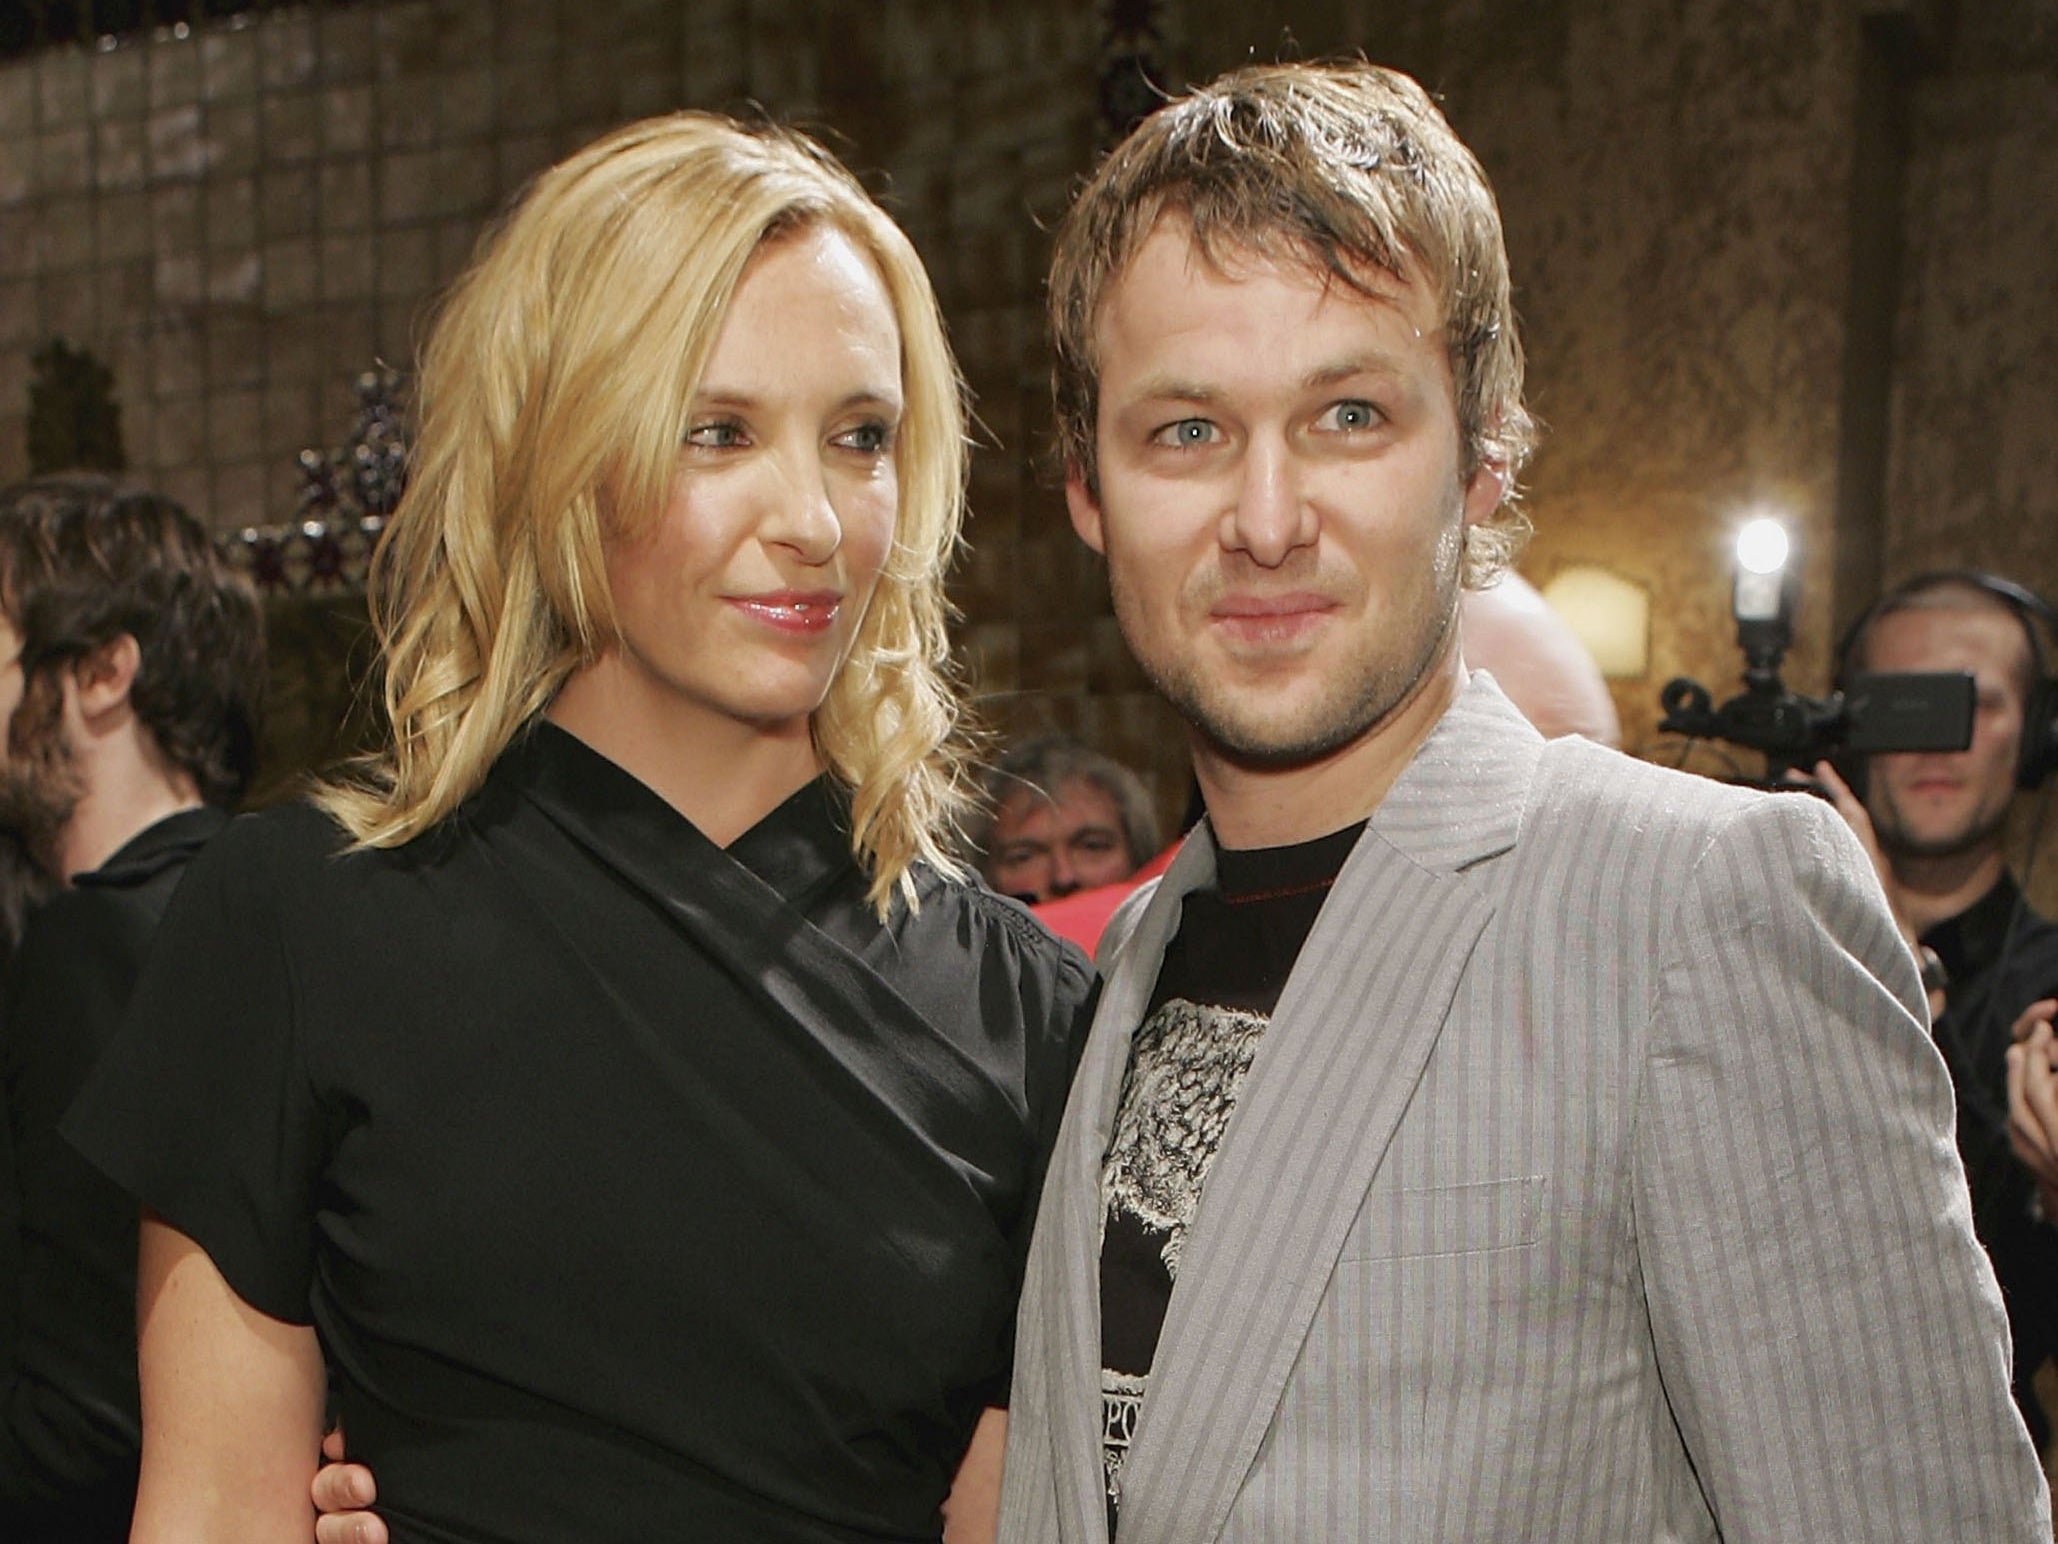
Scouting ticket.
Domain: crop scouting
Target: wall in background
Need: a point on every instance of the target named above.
(242, 219)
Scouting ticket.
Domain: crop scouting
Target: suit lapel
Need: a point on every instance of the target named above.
(1070, 1259)
(1329, 1085)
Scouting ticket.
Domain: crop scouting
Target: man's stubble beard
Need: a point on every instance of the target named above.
(1896, 842)
(40, 783)
(1340, 716)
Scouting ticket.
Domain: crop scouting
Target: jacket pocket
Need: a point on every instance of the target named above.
(1449, 1220)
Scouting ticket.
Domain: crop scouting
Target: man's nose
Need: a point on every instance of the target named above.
(1064, 879)
(1271, 517)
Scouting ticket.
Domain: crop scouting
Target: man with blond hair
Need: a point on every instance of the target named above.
(1481, 1138)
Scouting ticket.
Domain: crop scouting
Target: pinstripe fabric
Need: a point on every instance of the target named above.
(1594, 1182)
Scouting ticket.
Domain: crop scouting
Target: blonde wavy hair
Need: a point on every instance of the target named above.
(1346, 167)
(551, 401)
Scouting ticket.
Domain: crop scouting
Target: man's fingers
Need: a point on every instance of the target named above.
(343, 1488)
(1855, 816)
(2040, 1088)
(349, 1528)
(2033, 1103)
(1837, 789)
(2021, 1130)
(1846, 802)
(340, 1491)
(332, 1444)
(2041, 1011)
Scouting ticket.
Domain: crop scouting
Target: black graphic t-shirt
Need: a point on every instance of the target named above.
(1220, 980)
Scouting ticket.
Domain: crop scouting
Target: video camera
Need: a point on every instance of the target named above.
(1871, 714)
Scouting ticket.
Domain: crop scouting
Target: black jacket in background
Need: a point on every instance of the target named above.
(2001, 956)
(68, 1422)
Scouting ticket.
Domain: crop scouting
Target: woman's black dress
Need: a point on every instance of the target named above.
(639, 1189)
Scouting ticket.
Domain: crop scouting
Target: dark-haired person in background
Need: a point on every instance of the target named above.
(1063, 817)
(131, 676)
(1935, 824)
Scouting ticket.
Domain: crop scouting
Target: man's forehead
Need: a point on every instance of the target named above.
(1269, 252)
(1173, 255)
(1971, 629)
(1073, 794)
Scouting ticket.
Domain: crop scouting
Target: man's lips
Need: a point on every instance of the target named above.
(1264, 618)
(791, 611)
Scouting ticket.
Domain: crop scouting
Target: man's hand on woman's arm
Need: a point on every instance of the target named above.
(342, 1491)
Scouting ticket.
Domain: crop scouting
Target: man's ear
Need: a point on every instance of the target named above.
(1085, 509)
(104, 676)
(1485, 491)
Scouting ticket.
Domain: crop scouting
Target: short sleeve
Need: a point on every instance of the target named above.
(202, 1107)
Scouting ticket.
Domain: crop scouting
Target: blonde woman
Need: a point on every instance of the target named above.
(613, 1081)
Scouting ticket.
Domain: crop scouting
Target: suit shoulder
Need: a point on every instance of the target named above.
(72, 914)
(1615, 809)
(1596, 781)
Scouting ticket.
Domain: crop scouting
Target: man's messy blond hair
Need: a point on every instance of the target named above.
(1345, 167)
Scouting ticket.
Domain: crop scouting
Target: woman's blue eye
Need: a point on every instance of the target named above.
(720, 435)
(871, 438)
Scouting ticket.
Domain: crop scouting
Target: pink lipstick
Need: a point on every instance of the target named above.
(805, 612)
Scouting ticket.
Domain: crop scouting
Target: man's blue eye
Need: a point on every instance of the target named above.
(1186, 431)
(1348, 416)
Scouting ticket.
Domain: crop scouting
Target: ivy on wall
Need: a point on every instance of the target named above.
(1132, 66)
(74, 423)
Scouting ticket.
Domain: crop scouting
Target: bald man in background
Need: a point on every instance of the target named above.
(1511, 632)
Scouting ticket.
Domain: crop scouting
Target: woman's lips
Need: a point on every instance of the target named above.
(791, 611)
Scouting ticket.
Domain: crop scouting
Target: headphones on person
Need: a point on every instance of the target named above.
(2037, 754)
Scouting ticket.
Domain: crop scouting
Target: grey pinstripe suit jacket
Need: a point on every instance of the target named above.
(1594, 1182)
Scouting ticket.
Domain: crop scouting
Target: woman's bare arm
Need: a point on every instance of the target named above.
(232, 1406)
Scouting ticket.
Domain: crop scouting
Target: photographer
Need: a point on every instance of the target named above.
(1934, 824)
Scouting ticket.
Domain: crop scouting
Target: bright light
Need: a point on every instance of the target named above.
(1761, 546)
(1609, 614)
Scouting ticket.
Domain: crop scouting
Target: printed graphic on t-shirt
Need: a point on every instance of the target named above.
(1187, 1067)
